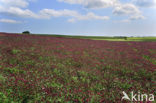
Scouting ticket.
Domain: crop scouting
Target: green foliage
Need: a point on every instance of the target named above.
(13, 61)
(143, 73)
(6, 99)
(3, 98)
(56, 85)
(30, 62)
(26, 32)
(16, 51)
(13, 70)
(125, 85)
(75, 79)
(153, 60)
(2, 78)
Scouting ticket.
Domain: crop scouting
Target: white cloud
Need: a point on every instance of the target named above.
(119, 8)
(137, 17)
(47, 13)
(15, 3)
(18, 8)
(57, 13)
(125, 20)
(128, 10)
(9, 21)
(93, 4)
(91, 16)
(15, 8)
(145, 3)
(72, 20)
(15, 11)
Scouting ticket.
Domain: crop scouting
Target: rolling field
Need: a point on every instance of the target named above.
(107, 38)
(59, 69)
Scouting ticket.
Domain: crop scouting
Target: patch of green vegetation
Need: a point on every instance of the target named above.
(15, 51)
(55, 85)
(13, 61)
(60, 65)
(124, 85)
(32, 48)
(30, 62)
(6, 99)
(142, 38)
(13, 70)
(75, 78)
(153, 51)
(135, 49)
(2, 78)
(143, 74)
(98, 87)
(152, 60)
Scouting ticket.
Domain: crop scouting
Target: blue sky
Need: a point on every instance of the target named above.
(79, 17)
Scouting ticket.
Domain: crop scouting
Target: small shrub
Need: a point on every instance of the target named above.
(125, 38)
(26, 32)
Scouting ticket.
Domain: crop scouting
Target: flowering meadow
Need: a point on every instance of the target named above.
(46, 69)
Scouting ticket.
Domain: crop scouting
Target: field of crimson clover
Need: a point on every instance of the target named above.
(46, 69)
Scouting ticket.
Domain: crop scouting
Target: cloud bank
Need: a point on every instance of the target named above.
(20, 8)
(119, 9)
(9, 21)
(92, 4)
(145, 3)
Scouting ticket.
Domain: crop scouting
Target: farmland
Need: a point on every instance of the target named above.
(53, 69)
(116, 38)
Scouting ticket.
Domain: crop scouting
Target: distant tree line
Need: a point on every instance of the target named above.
(121, 37)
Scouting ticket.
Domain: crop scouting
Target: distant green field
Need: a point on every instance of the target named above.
(118, 38)
(108, 38)
(130, 39)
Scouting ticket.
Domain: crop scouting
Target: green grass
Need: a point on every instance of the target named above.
(122, 39)
(104, 37)
(130, 39)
